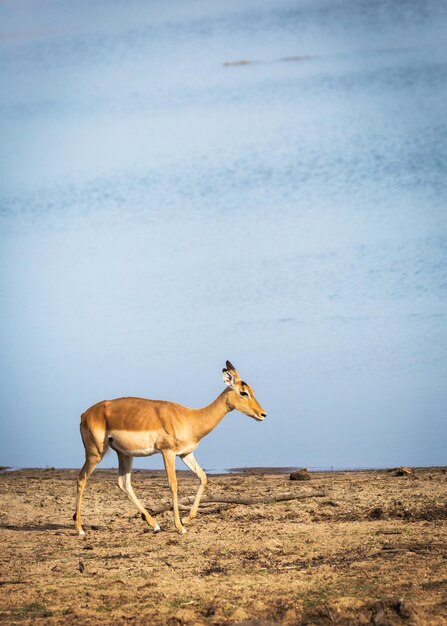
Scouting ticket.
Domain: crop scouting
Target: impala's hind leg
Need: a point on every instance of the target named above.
(91, 461)
(95, 443)
(125, 484)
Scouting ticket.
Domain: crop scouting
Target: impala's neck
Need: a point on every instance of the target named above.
(208, 417)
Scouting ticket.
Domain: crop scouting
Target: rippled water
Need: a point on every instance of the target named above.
(263, 182)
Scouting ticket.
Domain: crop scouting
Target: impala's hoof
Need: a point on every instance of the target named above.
(157, 529)
(182, 530)
(81, 532)
(185, 520)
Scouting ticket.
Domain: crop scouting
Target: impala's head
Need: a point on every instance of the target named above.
(241, 396)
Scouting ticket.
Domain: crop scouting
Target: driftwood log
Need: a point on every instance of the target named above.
(300, 474)
(207, 500)
(404, 471)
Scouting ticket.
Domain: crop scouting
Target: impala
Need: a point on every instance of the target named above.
(138, 427)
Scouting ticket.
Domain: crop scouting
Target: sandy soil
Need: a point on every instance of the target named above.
(372, 551)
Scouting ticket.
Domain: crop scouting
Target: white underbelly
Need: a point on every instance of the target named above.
(132, 443)
(142, 452)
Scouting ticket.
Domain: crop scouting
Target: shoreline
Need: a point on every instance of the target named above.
(255, 470)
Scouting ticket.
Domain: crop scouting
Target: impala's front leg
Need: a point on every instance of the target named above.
(169, 461)
(191, 462)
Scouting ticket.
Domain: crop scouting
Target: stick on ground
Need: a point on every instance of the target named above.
(237, 500)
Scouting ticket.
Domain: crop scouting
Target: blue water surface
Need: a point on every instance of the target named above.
(188, 182)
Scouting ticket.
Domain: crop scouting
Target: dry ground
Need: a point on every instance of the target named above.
(373, 551)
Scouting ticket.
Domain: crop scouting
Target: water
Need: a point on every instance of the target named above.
(164, 207)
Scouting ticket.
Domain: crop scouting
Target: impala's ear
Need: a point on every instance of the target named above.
(230, 375)
(228, 378)
(230, 367)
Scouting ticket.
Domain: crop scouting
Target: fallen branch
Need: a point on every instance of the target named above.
(414, 547)
(14, 582)
(284, 497)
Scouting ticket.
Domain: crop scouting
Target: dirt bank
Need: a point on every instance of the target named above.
(372, 551)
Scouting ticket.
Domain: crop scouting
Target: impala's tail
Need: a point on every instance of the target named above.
(94, 430)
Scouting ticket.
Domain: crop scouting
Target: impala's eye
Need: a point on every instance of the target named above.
(244, 393)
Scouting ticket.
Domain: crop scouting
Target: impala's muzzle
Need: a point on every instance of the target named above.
(259, 416)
